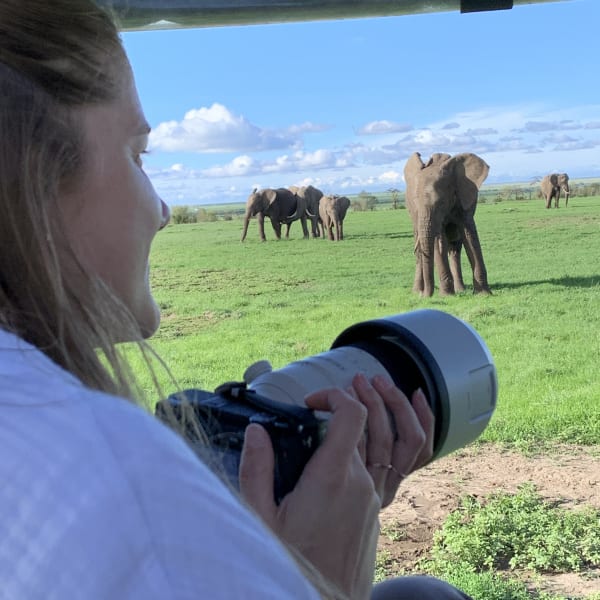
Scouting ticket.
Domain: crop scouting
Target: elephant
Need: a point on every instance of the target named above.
(311, 196)
(332, 211)
(441, 198)
(281, 205)
(551, 187)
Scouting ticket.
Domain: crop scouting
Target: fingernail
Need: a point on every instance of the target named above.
(420, 396)
(361, 379)
(253, 437)
(383, 382)
(350, 390)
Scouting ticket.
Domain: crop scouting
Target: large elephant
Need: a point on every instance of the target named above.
(311, 196)
(551, 187)
(332, 211)
(281, 205)
(441, 197)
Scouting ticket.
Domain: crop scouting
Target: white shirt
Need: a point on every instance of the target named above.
(99, 500)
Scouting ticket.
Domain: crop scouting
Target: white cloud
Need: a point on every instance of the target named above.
(519, 142)
(217, 129)
(383, 127)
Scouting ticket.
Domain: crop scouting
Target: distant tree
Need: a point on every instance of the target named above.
(203, 215)
(182, 214)
(395, 196)
(367, 200)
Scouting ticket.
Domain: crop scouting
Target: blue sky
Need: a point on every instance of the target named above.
(342, 104)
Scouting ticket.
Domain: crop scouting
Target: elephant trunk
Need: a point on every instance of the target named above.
(245, 229)
(426, 260)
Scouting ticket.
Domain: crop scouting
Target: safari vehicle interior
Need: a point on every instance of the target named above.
(173, 14)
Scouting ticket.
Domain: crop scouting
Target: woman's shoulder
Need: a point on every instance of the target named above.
(119, 490)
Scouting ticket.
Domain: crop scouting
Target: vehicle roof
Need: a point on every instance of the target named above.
(175, 14)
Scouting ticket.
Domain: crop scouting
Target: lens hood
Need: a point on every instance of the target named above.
(444, 356)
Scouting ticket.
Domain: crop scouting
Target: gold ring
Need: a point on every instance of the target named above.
(388, 467)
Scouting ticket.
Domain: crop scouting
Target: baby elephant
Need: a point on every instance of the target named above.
(332, 210)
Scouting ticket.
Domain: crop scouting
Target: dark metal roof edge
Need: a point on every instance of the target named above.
(135, 15)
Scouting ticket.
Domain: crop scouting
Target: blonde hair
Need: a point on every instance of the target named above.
(56, 57)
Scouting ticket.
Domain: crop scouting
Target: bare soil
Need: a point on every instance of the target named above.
(567, 474)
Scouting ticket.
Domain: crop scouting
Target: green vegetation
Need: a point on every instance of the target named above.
(519, 531)
(226, 304)
(514, 531)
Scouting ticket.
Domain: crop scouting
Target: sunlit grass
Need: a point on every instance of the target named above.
(226, 304)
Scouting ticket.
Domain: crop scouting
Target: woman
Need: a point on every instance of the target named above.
(100, 500)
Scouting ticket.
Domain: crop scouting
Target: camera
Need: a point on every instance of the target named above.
(426, 348)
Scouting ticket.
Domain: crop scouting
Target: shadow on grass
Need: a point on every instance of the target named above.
(373, 236)
(568, 282)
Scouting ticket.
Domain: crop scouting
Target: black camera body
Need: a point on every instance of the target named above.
(427, 349)
(223, 416)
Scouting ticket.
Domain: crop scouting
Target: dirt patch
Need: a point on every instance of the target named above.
(568, 474)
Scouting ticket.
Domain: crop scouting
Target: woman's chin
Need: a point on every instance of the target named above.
(150, 322)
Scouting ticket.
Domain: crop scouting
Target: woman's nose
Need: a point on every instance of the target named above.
(166, 215)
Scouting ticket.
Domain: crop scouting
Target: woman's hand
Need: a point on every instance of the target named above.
(390, 457)
(331, 515)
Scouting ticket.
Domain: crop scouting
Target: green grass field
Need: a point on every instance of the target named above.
(226, 304)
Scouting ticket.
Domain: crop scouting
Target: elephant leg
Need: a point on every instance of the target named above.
(340, 230)
(304, 227)
(261, 227)
(287, 230)
(441, 263)
(276, 228)
(418, 281)
(475, 256)
(330, 230)
(454, 250)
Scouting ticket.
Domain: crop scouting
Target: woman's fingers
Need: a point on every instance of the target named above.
(427, 420)
(399, 434)
(256, 473)
(379, 435)
(346, 423)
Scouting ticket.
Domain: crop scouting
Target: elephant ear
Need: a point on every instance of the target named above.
(437, 158)
(269, 196)
(414, 165)
(470, 171)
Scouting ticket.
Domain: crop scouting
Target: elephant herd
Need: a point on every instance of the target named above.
(283, 206)
(441, 198)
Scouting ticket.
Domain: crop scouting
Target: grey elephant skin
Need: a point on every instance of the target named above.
(332, 212)
(441, 198)
(282, 207)
(552, 185)
(311, 197)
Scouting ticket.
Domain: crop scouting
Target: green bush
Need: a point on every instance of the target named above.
(519, 531)
(182, 214)
(204, 216)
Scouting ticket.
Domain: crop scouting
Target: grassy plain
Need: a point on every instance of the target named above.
(226, 304)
